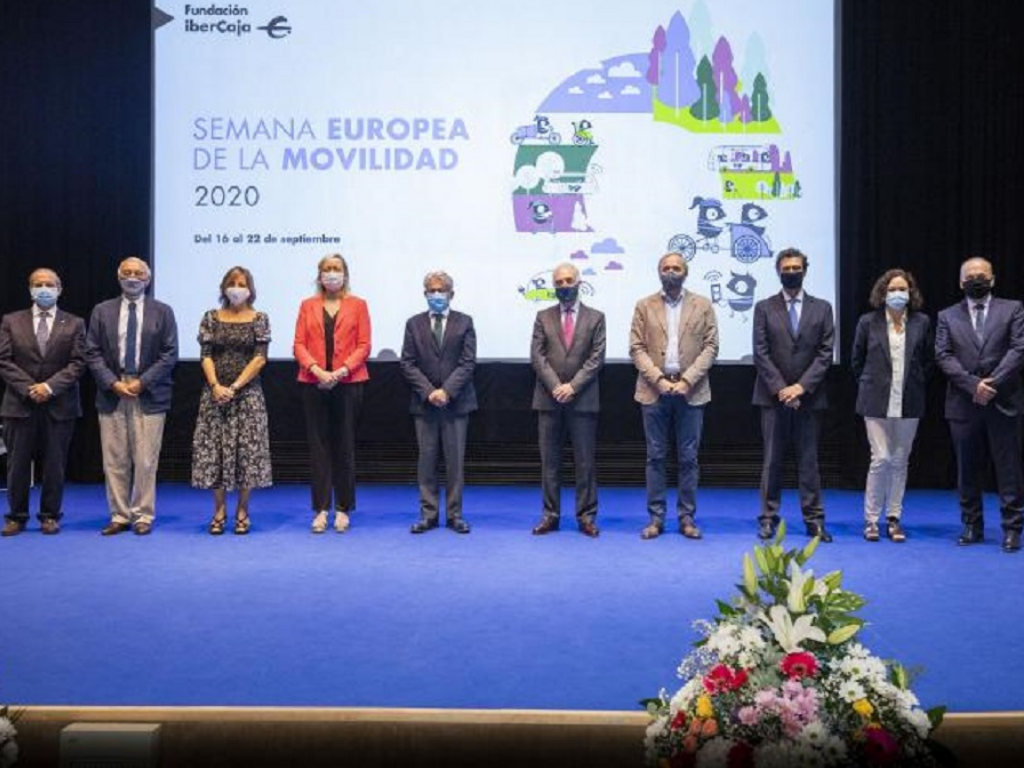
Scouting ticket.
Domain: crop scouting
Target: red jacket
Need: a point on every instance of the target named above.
(351, 338)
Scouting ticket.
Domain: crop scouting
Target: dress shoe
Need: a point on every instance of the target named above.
(50, 526)
(871, 532)
(458, 525)
(652, 531)
(971, 535)
(818, 530)
(895, 531)
(547, 525)
(142, 529)
(422, 526)
(589, 529)
(765, 530)
(1011, 541)
(688, 529)
(12, 528)
(113, 528)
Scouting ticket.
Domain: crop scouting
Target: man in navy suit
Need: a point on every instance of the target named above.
(979, 345)
(793, 337)
(132, 348)
(42, 357)
(438, 358)
(567, 353)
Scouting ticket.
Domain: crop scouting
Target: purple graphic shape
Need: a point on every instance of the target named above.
(578, 255)
(658, 42)
(608, 245)
(677, 86)
(725, 81)
(561, 208)
(585, 98)
(613, 266)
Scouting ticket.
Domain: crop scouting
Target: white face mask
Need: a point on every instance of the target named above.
(133, 287)
(332, 281)
(237, 295)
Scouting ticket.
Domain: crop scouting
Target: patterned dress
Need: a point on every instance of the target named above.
(231, 443)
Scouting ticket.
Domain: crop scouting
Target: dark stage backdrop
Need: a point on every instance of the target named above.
(932, 117)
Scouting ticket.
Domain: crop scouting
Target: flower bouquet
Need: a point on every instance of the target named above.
(8, 748)
(778, 679)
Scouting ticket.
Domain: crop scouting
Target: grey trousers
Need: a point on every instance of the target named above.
(131, 441)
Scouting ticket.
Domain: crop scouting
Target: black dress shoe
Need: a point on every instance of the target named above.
(818, 530)
(971, 535)
(458, 525)
(1011, 541)
(547, 525)
(589, 529)
(113, 528)
(689, 529)
(766, 530)
(142, 529)
(422, 526)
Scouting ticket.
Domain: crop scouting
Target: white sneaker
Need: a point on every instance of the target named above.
(341, 521)
(320, 521)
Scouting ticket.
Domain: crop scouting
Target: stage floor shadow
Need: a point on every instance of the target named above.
(497, 619)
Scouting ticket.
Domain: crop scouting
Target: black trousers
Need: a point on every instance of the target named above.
(331, 416)
(36, 436)
(581, 428)
(781, 426)
(1000, 435)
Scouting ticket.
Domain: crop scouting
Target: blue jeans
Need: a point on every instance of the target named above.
(688, 420)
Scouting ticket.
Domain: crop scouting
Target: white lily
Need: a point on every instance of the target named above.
(797, 579)
(789, 634)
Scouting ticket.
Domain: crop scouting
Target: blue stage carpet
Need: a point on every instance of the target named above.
(495, 619)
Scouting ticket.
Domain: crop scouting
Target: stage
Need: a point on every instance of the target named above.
(494, 620)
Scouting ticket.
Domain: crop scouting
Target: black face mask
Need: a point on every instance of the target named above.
(567, 293)
(672, 281)
(977, 287)
(792, 280)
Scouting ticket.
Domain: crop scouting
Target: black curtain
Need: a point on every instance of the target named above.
(932, 116)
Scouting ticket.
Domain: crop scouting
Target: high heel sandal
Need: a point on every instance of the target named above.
(217, 523)
(241, 523)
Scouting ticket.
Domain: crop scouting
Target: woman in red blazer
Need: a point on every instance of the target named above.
(332, 343)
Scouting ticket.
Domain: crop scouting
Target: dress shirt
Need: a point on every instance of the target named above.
(897, 356)
(673, 311)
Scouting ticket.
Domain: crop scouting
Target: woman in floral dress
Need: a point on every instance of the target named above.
(231, 444)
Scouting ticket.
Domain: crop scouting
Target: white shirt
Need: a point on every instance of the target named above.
(122, 328)
(444, 320)
(37, 313)
(673, 311)
(897, 356)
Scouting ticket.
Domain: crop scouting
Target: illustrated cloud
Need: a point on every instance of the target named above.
(575, 90)
(625, 69)
(605, 95)
(630, 90)
(608, 245)
(613, 266)
(596, 79)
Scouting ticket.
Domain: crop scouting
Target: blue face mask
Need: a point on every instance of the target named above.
(897, 299)
(567, 293)
(438, 302)
(44, 296)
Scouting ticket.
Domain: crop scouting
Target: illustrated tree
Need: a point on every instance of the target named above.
(745, 115)
(658, 43)
(706, 106)
(777, 185)
(676, 87)
(797, 190)
(725, 81)
(773, 157)
(759, 100)
(787, 163)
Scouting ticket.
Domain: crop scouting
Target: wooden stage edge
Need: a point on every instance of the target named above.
(315, 736)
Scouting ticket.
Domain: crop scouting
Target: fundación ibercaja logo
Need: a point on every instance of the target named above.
(225, 20)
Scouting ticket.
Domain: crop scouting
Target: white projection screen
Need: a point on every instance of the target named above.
(493, 141)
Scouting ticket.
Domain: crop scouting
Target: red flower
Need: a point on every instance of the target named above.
(721, 679)
(880, 746)
(679, 721)
(797, 665)
(741, 755)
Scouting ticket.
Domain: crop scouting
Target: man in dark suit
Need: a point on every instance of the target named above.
(42, 357)
(979, 345)
(438, 358)
(132, 348)
(567, 353)
(793, 336)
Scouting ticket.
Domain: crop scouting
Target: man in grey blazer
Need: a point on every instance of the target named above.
(42, 357)
(567, 353)
(793, 338)
(979, 345)
(438, 358)
(673, 342)
(132, 348)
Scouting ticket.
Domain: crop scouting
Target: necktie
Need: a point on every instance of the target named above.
(979, 321)
(568, 327)
(42, 332)
(794, 318)
(131, 341)
(438, 329)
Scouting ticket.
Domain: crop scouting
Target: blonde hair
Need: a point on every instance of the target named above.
(344, 265)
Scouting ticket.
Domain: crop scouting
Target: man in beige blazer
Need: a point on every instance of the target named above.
(673, 343)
